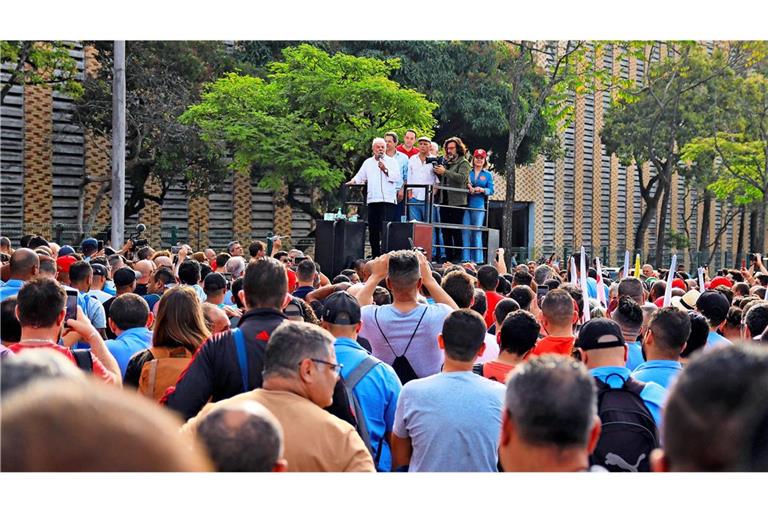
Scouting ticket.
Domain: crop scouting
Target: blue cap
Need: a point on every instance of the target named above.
(89, 244)
(66, 250)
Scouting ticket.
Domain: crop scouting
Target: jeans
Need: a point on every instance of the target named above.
(437, 235)
(473, 238)
(417, 210)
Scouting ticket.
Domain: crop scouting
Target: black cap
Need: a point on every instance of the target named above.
(125, 276)
(99, 269)
(341, 308)
(713, 305)
(214, 282)
(600, 333)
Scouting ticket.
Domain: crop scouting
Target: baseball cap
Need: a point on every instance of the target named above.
(719, 280)
(214, 282)
(679, 283)
(341, 308)
(89, 244)
(687, 302)
(99, 269)
(600, 333)
(64, 262)
(480, 153)
(66, 250)
(713, 305)
(424, 139)
(125, 276)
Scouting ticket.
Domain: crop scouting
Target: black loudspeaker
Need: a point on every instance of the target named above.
(338, 244)
(396, 235)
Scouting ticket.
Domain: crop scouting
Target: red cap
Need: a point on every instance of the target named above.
(679, 283)
(719, 280)
(480, 153)
(660, 301)
(64, 262)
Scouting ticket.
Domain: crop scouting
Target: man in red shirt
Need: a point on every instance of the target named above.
(557, 318)
(407, 147)
(41, 309)
(488, 279)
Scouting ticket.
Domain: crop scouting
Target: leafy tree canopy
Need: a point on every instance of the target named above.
(40, 63)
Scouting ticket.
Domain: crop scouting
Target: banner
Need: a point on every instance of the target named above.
(574, 279)
(670, 278)
(701, 279)
(637, 266)
(625, 269)
(600, 286)
(584, 291)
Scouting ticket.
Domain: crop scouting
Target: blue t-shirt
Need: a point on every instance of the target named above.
(662, 372)
(377, 394)
(634, 355)
(715, 340)
(10, 288)
(128, 343)
(402, 161)
(453, 420)
(653, 395)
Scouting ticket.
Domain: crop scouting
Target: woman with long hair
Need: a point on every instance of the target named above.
(179, 330)
(480, 187)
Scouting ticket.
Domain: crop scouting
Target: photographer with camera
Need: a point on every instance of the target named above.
(453, 172)
(383, 176)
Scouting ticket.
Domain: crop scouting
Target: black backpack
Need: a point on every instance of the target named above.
(83, 359)
(629, 432)
(401, 365)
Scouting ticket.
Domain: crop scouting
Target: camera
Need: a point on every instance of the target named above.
(137, 242)
(436, 160)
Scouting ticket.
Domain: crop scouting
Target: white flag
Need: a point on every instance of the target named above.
(626, 264)
(600, 286)
(701, 279)
(574, 278)
(670, 277)
(584, 292)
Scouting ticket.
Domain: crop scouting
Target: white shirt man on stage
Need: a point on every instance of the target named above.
(384, 179)
(420, 173)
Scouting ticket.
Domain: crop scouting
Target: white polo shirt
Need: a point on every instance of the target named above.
(381, 188)
(420, 174)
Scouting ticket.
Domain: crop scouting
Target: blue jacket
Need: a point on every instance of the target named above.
(483, 180)
(377, 394)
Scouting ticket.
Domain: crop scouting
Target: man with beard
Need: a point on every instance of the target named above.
(454, 174)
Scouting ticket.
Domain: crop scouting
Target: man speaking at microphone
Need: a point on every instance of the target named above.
(382, 174)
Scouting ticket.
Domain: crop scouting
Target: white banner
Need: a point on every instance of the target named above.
(670, 278)
(584, 291)
(600, 286)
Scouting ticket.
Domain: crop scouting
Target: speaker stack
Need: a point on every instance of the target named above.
(338, 244)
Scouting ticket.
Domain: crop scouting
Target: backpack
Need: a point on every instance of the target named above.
(83, 359)
(355, 376)
(162, 371)
(401, 365)
(629, 432)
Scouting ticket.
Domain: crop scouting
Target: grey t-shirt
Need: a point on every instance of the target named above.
(453, 420)
(425, 356)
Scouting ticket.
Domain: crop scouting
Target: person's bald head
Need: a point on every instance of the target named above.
(25, 264)
(243, 437)
(632, 287)
(367, 270)
(215, 318)
(145, 267)
(163, 261)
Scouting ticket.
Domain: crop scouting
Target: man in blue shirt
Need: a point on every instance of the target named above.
(378, 390)
(629, 315)
(25, 264)
(664, 340)
(129, 319)
(80, 277)
(714, 306)
(602, 348)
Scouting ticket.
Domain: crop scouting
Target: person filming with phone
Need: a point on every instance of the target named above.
(382, 175)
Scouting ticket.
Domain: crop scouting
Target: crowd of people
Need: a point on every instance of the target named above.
(172, 360)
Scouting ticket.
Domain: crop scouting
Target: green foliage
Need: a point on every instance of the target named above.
(162, 79)
(40, 63)
(311, 120)
(676, 240)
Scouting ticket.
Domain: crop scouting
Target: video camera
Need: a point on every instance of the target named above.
(137, 242)
(436, 160)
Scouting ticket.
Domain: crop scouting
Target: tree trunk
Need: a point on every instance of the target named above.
(661, 225)
(509, 203)
(752, 230)
(740, 241)
(760, 227)
(704, 234)
(645, 221)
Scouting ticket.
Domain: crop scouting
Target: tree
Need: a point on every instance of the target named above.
(40, 63)
(310, 121)
(162, 79)
(656, 119)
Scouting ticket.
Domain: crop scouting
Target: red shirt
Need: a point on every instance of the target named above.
(496, 370)
(491, 299)
(554, 345)
(408, 152)
(98, 367)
